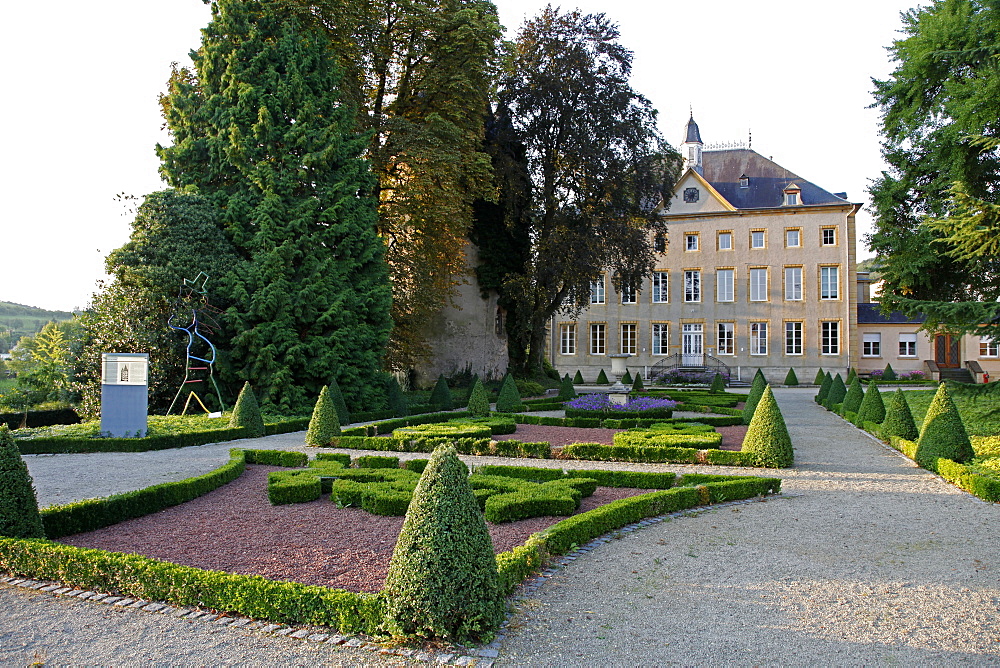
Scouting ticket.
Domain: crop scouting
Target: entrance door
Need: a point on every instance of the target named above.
(692, 352)
(946, 351)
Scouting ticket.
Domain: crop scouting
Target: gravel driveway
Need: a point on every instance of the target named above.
(865, 559)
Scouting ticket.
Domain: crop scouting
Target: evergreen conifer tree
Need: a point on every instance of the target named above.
(791, 378)
(441, 398)
(872, 406)
(851, 375)
(566, 389)
(246, 413)
(509, 399)
(602, 378)
(19, 517)
(718, 384)
(757, 388)
(898, 419)
(442, 580)
(398, 404)
(820, 377)
(837, 393)
(759, 374)
(343, 414)
(637, 383)
(578, 378)
(324, 425)
(627, 378)
(943, 433)
(479, 400)
(855, 395)
(888, 373)
(824, 389)
(260, 128)
(767, 436)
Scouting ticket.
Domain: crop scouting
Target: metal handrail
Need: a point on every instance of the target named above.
(675, 361)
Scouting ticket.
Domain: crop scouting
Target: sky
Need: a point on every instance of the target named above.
(80, 117)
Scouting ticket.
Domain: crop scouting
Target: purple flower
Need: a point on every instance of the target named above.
(602, 402)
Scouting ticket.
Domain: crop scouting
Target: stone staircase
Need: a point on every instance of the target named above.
(957, 375)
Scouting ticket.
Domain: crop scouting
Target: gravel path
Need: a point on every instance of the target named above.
(866, 559)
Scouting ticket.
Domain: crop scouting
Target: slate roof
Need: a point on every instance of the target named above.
(691, 133)
(767, 179)
(871, 314)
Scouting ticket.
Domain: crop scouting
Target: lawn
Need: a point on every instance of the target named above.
(981, 415)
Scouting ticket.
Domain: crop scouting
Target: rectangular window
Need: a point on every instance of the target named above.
(791, 199)
(793, 284)
(793, 238)
(567, 339)
(871, 344)
(725, 285)
(829, 236)
(757, 239)
(661, 338)
(725, 241)
(726, 339)
(793, 338)
(691, 242)
(908, 345)
(758, 285)
(660, 243)
(661, 287)
(988, 347)
(829, 338)
(597, 338)
(628, 338)
(692, 286)
(628, 293)
(758, 338)
(829, 283)
(597, 291)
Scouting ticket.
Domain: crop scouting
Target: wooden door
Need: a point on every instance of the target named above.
(946, 351)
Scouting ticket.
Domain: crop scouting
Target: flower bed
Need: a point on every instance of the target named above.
(599, 405)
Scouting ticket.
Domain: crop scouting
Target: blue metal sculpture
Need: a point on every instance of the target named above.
(192, 307)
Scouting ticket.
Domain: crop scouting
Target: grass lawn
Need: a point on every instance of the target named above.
(981, 415)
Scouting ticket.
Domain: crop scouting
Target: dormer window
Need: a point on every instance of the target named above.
(744, 181)
(792, 195)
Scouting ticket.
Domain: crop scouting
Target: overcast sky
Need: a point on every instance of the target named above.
(80, 116)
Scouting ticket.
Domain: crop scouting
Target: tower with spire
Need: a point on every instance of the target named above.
(692, 146)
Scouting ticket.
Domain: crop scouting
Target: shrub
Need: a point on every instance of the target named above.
(718, 384)
(637, 383)
(246, 413)
(851, 375)
(441, 398)
(578, 378)
(824, 389)
(854, 396)
(342, 458)
(566, 389)
(837, 393)
(767, 439)
(415, 465)
(376, 462)
(529, 388)
(756, 392)
(791, 378)
(479, 400)
(820, 377)
(509, 399)
(943, 434)
(324, 425)
(602, 378)
(397, 400)
(287, 458)
(872, 407)
(343, 414)
(19, 516)
(442, 580)
(627, 378)
(888, 373)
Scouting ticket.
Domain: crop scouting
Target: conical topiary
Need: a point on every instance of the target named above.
(19, 517)
(898, 419)
(637, 383)
(578, 378)
(872, 407)
(566, 389)
(824, 389)
(943, 434)
(851, 375)
(246, 413)
(627, 378)
(791, 378)
(343, 413)
(767, 438)
(759, 374)
(718, 384)
(509, 399)
(837, 393)
(602, 378)
(324, 425)
(756, 392)
(479, 400)
(820, 377)
(442, 580)
(441, 399)
(888, 373)
(854, 396)
(398, 404)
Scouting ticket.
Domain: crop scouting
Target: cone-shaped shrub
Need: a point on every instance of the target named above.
(837, 392)
(343, 414)
(637, 383)
(509, 399)
(627, 378)
(888, 374)
(759, 374)
(854, 396)
(898, 419)
(602, 378)
(767, 436)
(442, 580)
(246, 413)
(824, 389)
(324, 425)
(943, 434)
(872, 407)
(398, 404)
(441, 395)
(578, 378)
(851, 375)
(791, 378)
(566, 389)
(756, 392)
(479, 400)
(19, 516)
(820, 377)
(718, 384)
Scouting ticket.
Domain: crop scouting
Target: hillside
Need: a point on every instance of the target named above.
(17, 320)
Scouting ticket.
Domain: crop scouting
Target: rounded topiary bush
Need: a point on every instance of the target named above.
(246, 413)
(602, 378)
(767, 438)
(479, 400)
(718, 384)
(566, 389)
(756, 392)
(398, 404)
(824, 389)
(943, 433)
(791, 378)
(19, 517)
(854, 396)
(898, 419)
(324, 425)
(872, 407)
(509, 399)
(442, 580)
(820, 377)
(441, 398)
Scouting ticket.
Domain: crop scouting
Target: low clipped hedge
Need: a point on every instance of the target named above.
(636, 479)
(465, 446)
(40, 418)
(684, 435)
(963, 476)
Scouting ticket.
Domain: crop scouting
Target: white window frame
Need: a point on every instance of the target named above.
(793, 284)
(725, 338)
(823, 235)
(758, 284)
(758, 338)
(793, 337)
(661, 287)
(791, 198)
(692, 286)
(829, 337)
(659, 338)
(728, 236)
(597, 294)
(988, 347)
(798, 238)
(567, 339)
(907, 344)
(627, 338)
(598, 338)
(829, 283)
(758, 239)
(692, 242)
(629, 294)
(871, 344)
(725, 285)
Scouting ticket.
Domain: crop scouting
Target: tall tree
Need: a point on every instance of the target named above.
(259, 127)
(597, 165)
(935, 207)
